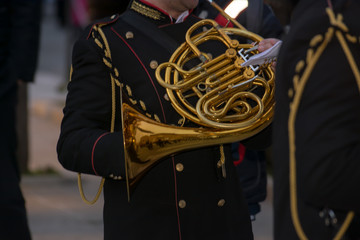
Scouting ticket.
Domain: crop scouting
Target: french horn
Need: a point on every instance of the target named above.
(232, 102)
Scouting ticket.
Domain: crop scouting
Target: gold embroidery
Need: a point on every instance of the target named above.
(116, 72)
(107, 53)
(350, 38)
(142, 104)
(290, 92)
(296, 81)
(156, 118)
(133, 101)
(315, 40)
(71, 72)
(107, 63)
(128, 89)
(299, 66)
(309, 55)
(146, 11)
(117, 82)
(98, 43)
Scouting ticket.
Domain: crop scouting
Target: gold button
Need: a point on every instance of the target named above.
(179, 167)
(154, 64)
(129, 35)
(221, 202)
(182, 204)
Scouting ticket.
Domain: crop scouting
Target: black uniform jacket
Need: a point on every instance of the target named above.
(182, 197)
(317, 120)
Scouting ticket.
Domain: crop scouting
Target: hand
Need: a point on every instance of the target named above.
(266, 44)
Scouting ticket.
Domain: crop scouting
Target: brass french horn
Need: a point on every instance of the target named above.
(233, 102)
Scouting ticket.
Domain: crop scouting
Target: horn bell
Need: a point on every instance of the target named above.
(147, 142)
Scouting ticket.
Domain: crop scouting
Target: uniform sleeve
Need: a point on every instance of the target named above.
(86, 144)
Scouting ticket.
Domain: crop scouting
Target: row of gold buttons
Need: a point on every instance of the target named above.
(182, 203)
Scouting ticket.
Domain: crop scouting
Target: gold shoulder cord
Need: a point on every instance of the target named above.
(114, 81)
(299, 85)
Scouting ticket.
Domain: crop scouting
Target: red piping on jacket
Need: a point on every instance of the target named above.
(163, 112)
(142, 64)
(93, 150)
(113, 20)
(176, 198)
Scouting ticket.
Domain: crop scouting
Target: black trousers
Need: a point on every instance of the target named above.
(13, 218)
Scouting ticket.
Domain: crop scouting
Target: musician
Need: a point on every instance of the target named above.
(186, 196)
(317, 124)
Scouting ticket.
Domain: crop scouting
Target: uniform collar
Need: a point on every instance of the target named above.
(159, 16)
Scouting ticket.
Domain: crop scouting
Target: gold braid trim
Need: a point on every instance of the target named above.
(71, 72)
(222, 155)
(107, 63)
(299, 88)
(81, 190)
(113, 100)
(116, 72)
(98, 43)
(114, 82)
(156, 118)
(117, 82)
(143, 106)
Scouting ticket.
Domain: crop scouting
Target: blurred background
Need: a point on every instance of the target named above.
(54, 206)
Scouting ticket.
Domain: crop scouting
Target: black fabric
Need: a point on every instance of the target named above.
(19, 38)
(149, 30)
(327, 130)
(13, 219)
(252, 175)
(253, 15)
